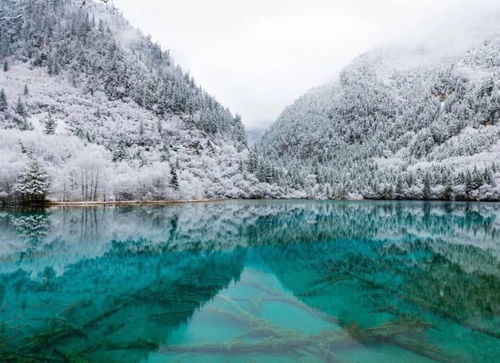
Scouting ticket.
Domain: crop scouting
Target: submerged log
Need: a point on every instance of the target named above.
(273, 345)
(425, 349)
(430, 307)
(397, 333)
(326, 283)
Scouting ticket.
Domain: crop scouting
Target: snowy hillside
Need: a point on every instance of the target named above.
(397, 124)
(102, 113)
(91, 109)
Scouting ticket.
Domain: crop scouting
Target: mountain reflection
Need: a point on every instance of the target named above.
(124, 302)
(118, 283)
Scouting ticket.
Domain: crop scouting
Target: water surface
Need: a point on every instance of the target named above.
(281, 281)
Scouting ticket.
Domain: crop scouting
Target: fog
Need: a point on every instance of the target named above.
(257, 57)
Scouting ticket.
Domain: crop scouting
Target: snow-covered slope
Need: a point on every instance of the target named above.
(398, 123)
(107, 113)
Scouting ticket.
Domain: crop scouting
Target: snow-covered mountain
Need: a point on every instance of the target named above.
(106, 112)
(397, 123)
(91, 109)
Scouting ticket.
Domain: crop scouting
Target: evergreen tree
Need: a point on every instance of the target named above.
(33, 184)
(387, 193)
(53, 66)
(141, 128)
(448, 192)
(50, 125)
(26, 125)
(3, 101)
(174, 181)
(399, 187)
(469, 183)
(253, 161)
(26, 91)
(120, 153)
(164, 153)
(489, 175)
(477, 178)
(21, 108)
(6, 66)
(426, 193)
(56, 69)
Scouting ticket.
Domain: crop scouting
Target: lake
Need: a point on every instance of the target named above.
(252, 281)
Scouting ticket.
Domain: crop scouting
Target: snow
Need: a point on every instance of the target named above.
(125, 116)
(398, 114)
(400, 122)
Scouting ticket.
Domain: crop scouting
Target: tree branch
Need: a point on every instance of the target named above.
(11, 17)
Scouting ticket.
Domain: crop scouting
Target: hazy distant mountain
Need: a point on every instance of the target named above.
(254, 135)
(398, 123)
(107, 113)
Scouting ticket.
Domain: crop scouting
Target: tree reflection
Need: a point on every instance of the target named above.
(113, 283)
(128, 303)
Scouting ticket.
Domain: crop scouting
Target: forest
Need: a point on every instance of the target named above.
(93, 110)
(396, 124)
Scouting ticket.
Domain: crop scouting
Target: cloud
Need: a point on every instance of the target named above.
(258, 56)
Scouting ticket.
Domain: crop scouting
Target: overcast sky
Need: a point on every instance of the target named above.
(258, 56)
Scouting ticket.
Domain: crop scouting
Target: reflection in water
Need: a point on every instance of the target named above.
(270, 281)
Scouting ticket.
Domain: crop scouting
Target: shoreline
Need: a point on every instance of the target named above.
(125, 203)
(52, 204)
(167, 202)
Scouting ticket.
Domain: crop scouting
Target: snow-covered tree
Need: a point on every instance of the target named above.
(426, 193)
(174, 181)
(33, 184)
(390, 128)
(50, 125)
(21, 108)
(3, 100)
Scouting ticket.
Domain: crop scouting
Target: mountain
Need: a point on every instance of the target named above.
(398, 123)
(254, 135)
(100, 112)
(91, 109)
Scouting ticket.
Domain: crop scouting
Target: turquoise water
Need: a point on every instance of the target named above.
(256, 281)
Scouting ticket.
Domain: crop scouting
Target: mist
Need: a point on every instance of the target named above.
(258, 57)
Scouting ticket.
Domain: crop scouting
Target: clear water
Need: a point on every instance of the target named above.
(296, 281)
